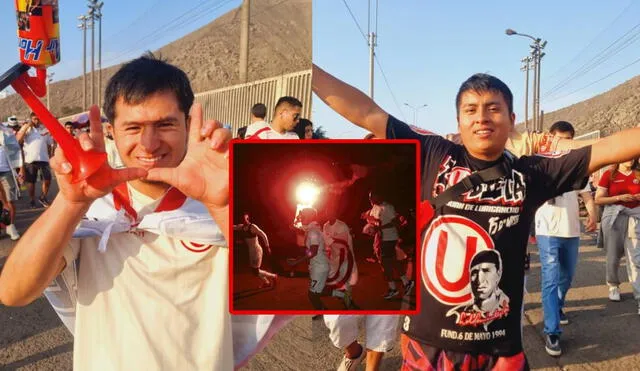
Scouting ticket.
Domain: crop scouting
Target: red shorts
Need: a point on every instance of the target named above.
(417, 356)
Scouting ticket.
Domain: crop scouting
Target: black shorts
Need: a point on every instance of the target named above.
(31, 171)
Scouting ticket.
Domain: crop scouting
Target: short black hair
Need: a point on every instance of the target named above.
(259, 110)
(300, 126)
(242, 132)
(143, 77)
(486, 256)
(562, 127)
(68, 123)
(292, 101)
(484, 82)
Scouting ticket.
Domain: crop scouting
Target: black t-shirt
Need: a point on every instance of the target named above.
(472, 253)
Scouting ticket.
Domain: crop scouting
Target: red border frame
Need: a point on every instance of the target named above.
(417, 260)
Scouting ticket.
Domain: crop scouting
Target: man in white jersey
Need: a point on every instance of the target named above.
(36, 145)
(250, 233)
(343, 271)
(10, 158)
(557, 224)
(146, 300)
(316, 254)
(285, 116)
(383, 215)
(258, 120)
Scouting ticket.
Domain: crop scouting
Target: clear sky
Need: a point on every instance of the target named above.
(428, 48)
(128, 29)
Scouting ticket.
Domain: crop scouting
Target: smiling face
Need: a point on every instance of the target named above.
(150, 134)
(484, 123)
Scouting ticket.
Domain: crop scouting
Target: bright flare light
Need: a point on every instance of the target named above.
(307, 193)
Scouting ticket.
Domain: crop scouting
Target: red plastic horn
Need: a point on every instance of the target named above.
(84, 163)
(39, 47)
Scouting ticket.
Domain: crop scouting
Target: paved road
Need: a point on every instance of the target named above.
(602, 335)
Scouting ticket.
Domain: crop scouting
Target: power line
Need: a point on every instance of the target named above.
(176, 22)
(146, 13)
(355, 20)
(624, 11)
(597, 81)
(598, 59)
(384, 76)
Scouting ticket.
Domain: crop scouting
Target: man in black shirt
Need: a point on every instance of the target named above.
(491, 216)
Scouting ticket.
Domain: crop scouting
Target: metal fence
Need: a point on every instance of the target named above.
(591, 135)
(232, 105)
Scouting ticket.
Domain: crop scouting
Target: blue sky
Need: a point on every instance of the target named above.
(427, 48)
(128, 29)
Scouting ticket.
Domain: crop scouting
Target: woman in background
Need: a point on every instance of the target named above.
(619, 192)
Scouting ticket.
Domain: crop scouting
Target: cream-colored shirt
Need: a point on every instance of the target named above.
(528, 143)
(151, 302)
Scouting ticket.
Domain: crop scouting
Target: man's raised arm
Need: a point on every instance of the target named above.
(619, 147)
(349, 102)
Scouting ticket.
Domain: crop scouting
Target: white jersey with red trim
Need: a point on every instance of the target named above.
(251, 129)
(266, 132)
(150, 274)
(342, 264)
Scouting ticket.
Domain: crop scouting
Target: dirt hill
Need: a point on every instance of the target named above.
(614, 110)
(279, 43)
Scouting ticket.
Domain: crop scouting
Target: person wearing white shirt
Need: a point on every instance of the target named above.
(37, 143)
(258, 120)
(557, 225)
(9, 159)
(383, 218)
(145, 299)
(286, 115)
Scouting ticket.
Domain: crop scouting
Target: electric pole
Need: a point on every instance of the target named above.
(244, 40)
(536, 56)
(95, 13)
(49, 80)
(526, 62)
(371, 40)
(83, 27)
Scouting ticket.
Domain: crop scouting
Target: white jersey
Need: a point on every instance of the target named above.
(385, 213)
(151, 301)
(36, 144)
(262, 130)
(559, 217)
(254, 127)
(341, 258)
(113, 157)
(314, 237)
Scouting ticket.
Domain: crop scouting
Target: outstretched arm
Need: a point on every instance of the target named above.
(349, 102)
(619, 147)
(38, 256)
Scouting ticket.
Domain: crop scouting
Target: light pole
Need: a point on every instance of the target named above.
(526, 66)
(415, 111)
(536, 55)
(83, 27)
(49, 80)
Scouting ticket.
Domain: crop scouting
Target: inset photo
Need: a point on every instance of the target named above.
(324, 226)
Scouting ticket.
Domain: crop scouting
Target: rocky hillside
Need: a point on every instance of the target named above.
(279, 43)
(616, 109)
